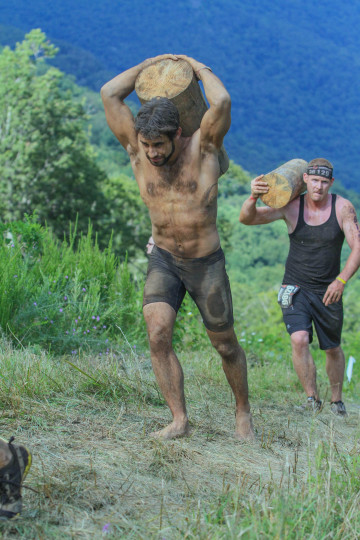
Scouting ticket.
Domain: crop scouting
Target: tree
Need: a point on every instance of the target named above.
(46, 161)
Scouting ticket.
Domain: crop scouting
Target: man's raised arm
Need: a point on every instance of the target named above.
(118, 115)
(217, 119)
(250, 214)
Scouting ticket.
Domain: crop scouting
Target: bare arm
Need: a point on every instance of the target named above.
(250, 214)
(217, 119)
(118, 115)
(351, 230)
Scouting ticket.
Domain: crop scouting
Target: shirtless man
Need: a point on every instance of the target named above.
(178, 182)
(317, 223)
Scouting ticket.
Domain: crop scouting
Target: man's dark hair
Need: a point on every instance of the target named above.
(159, 116)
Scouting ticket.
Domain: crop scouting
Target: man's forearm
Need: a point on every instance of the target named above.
(248, 211)
(122, 85)
(215, 91)
(352, 265)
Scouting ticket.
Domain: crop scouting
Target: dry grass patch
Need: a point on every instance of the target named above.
(98, 474)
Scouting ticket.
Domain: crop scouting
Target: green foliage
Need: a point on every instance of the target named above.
(65, 298)
(46, 161)
(126, 216)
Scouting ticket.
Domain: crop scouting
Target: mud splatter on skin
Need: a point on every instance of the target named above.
(210, 195)
(350, 213)
(215, 304)
(154, 190)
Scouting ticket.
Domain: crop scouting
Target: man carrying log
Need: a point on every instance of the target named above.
(313, 284)
(178, 181)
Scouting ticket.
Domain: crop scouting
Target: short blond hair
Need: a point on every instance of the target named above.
(321, 162)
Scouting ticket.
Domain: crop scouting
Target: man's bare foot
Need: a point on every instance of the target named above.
(172, 431)
(244, 430)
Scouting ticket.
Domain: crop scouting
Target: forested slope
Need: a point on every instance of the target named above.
(292, 68)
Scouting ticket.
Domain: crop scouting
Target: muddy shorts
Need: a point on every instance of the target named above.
(307, 308)
(205, 279)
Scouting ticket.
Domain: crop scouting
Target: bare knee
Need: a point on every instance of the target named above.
(334, 353)
(160, 338)
(300, 340)
(229, 351)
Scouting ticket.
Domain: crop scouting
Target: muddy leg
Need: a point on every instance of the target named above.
(234, 366)
(160, 319)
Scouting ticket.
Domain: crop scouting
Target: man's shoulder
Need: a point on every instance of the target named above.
(342, 203)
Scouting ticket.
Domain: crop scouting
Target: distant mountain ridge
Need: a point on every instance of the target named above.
(292, 68)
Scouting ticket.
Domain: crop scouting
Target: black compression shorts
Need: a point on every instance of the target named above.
(205, 279)
(308, 308)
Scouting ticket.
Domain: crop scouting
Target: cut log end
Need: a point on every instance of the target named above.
(279, 193)
(167, 78)
(285, 183)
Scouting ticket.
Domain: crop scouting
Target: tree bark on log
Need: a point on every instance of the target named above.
(285, 183)
(176, 81)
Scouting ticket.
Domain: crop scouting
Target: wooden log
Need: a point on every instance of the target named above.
(176, 81)
(285, 183)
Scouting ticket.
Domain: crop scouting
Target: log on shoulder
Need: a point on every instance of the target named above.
(177, 82)
(285, 183)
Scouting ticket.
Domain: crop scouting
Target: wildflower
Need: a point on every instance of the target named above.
(93, 317)
(65, 298)
(74, 352)
(52, 322)
(35, 304)
(83, 289)
(66, 277)
(106, 340)
(104, 325)
(61, 310)
(15, 275)
(49, 292)
(94, 327)
(98, 318)
(105, 528)
(67, 331)
(76, 321)
(87, 331)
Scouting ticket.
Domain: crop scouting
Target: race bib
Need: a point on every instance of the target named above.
(286, 293)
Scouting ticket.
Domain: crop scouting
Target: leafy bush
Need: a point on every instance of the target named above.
(65, 298)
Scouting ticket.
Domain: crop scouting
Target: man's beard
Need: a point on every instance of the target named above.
(166, 159)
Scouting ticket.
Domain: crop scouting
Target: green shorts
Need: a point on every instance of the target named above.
(204, 278)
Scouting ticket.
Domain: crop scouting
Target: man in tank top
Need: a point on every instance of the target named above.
(178, 181)
(313, 283)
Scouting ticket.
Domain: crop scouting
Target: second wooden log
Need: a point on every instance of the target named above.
(285, 183)
(176, 81)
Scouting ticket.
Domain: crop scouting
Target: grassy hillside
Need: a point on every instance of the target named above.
(97, 474)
